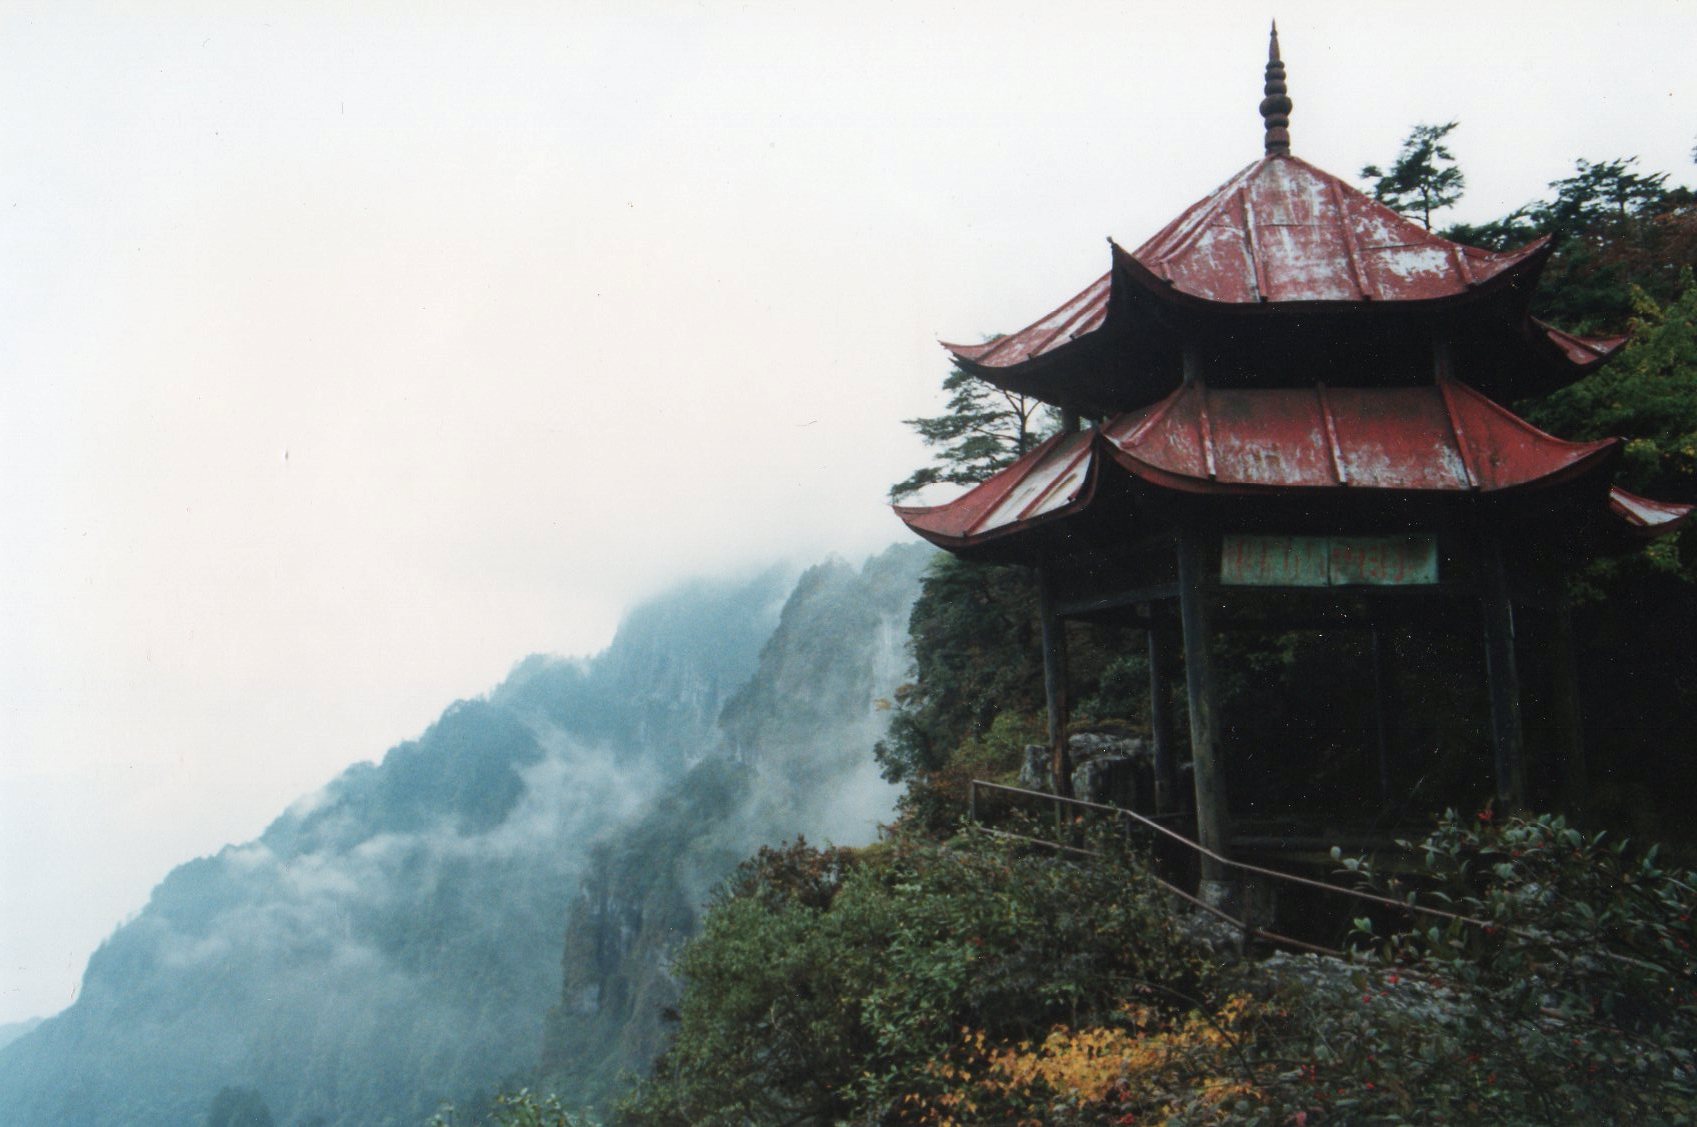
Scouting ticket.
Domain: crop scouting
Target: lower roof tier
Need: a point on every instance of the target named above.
(1442, 438)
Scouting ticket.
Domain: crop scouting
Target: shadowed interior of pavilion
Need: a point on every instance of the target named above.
(1283, 413)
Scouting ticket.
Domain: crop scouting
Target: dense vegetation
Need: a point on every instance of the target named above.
(967, 982)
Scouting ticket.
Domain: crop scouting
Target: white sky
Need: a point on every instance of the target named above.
(349, 352)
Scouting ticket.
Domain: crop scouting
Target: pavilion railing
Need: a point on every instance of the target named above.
(1247, 927)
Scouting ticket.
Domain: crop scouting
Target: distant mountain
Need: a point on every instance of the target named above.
(395, 938)
(795, 759)
(12, 1030)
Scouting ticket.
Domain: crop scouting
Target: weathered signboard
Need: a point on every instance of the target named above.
(1328, 561)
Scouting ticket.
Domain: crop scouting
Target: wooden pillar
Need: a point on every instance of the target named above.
(1192, 361)
(1055, 684)
(1382, 705)
(1194, 617)
(1564, 706)
(1502, 672)
(1443, 358)
(1161, 708)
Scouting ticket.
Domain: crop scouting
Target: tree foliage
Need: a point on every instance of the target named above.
(976, 648)
(1648, 392)
(1424, 177)
(982, 429)
(1614, 229)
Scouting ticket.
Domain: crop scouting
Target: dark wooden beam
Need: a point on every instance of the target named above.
(1212, 820)
(1161, 708)
(1565, 714)
(1502, 672)
(1113, 600)
(1382, 705)
(1055, 684)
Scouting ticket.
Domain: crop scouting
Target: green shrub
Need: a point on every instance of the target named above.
(831, 1003)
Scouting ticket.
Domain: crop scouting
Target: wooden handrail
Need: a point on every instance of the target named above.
(1292, 878)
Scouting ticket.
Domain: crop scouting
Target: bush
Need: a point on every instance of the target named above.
(828, 1007)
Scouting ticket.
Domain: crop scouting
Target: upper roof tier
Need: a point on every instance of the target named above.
(1282, 230)
(1285, 259)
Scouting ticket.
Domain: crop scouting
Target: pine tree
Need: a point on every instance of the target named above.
(1424, 178)
(983, 429)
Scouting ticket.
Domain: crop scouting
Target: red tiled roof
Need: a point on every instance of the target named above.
(1444, 438)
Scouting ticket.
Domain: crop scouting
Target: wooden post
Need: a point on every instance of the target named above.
(1381, 709)
(1211, 813)
(1161, 709)
(1443, 358)
(1564, 708)
(1055, 684)
(1192, 360)
(1508, 740)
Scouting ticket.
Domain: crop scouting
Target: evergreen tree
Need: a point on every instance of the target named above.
(1424, 177)
(1648, 392)
(983, 429)
(1616, 230)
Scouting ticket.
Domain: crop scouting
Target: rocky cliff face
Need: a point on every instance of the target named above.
(794, 758)
(394, 939)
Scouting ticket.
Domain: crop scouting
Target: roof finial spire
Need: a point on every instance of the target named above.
(1275, 107)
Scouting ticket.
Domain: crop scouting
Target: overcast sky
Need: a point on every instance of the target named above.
(348, 353)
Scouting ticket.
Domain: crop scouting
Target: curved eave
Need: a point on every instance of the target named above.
(1079, 315)
(1643, 519)
(1065, 376)
(1053, 480)
(1579, 355)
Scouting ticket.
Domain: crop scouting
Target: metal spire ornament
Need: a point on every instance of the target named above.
(1275, 107)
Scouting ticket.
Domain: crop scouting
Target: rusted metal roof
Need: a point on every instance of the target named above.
(1055, 478)
(1281, 232)
(1437, 438)
(1083, 313)
(1284, 231)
